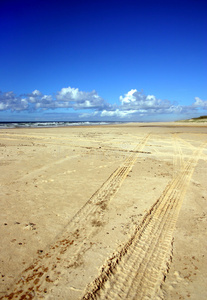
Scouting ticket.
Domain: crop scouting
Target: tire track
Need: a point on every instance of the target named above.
(137, 271)
(34, 281)
(178, 156)
(187, 143)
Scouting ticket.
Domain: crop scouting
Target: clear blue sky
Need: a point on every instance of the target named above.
(103, 60)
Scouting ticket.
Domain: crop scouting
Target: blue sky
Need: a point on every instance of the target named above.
(103, 60)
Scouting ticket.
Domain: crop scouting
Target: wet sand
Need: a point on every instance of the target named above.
(104, 212)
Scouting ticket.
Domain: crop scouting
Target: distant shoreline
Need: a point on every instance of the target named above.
(56, 125)
(51, 124)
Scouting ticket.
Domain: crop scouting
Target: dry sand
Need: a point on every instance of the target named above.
(104, 212)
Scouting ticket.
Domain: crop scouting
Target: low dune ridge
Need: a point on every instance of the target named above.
(201, 119)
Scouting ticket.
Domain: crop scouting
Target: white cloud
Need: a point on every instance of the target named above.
(2, 106)
(117, 113)
(69, 94)
(200, 103)
(36, 93)
(66, 98)
(81, 100)
(137, 100)
(137, 104)
(45, 101)
(132, 104)
(87, 115)
(129, 97)
(9, 101)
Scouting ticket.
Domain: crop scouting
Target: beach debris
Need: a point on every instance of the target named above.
(30, 226)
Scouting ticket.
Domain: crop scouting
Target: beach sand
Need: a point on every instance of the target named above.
(104, 212)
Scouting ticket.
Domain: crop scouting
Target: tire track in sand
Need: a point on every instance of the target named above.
(177, 157)
(137, 271)
(34, 281)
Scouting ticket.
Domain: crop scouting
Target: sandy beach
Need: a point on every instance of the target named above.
(104, 212)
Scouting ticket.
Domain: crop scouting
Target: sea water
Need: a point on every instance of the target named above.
(39, 124)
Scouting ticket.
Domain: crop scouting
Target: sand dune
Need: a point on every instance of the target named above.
(104, 212)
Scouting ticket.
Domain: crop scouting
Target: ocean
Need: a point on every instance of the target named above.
(42, 124)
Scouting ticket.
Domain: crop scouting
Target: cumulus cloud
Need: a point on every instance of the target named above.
(200, 103)
(81, 100)
(90, 114)
(9, 101)
(132, 104)
(129, 97)
(135, 103)
(66, 98)
(137, 100)
(117, 113)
